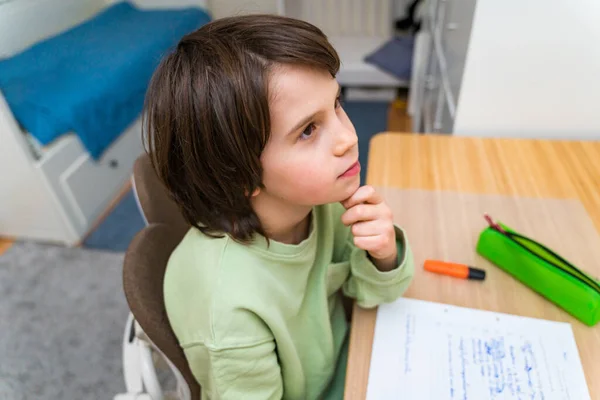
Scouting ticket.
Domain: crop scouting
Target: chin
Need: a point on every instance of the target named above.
(332, 192)
(348, 189)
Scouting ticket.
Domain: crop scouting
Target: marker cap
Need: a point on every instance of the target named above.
(476, 273)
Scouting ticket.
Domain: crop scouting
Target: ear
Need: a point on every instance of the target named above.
(254, 194)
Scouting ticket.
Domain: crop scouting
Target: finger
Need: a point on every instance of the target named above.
(369, 228)
(361, 212)
(364, 194)
(372, 244)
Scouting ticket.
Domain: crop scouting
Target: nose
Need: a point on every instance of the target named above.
(345, 139)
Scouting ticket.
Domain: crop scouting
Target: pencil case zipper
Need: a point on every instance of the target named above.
(551, 258)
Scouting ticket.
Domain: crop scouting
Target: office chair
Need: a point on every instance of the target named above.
(148, 334)
(148, 340)
(152, 197)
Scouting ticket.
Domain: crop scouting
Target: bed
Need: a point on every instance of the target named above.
(70, 132)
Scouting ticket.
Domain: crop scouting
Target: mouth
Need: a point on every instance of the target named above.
(352, 171)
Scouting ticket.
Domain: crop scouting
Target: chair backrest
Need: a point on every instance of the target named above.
(143, 275)
(153, 199)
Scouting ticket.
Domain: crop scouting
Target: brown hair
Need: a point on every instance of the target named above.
(207, 114)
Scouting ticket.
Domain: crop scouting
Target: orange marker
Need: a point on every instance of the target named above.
(453, 269)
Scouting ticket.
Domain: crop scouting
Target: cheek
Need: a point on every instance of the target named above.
(298, 179)
(298, 172)
(310, 176)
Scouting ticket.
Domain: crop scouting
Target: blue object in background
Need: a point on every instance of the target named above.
(119, 227)
(369, 118)
(92, 78)
(394, 57)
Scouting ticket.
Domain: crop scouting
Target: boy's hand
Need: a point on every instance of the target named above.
(372, 226)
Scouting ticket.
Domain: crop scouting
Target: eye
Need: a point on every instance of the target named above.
(338, 102)
(308, 131)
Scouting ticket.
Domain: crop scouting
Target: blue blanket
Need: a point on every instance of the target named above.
(92, 78)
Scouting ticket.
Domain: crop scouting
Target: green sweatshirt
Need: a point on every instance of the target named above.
(267, 322)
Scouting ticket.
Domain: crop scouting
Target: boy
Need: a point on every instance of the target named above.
(248, 134)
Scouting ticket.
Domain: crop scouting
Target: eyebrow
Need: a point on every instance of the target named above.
(306, 120)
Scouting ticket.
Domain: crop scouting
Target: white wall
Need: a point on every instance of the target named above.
(532, 70)
(224, 8)
(167, 3)
(24, 22)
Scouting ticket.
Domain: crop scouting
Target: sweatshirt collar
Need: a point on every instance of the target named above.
(259, 243)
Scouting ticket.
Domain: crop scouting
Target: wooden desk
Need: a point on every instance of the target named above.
(536, 169)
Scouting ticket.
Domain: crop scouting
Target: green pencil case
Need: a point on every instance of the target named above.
(542, 270)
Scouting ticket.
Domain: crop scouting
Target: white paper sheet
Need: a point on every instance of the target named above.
(424, 350)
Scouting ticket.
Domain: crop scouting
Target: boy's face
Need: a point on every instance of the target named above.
(311, 157)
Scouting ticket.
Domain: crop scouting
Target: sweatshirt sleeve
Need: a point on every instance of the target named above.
(371, 287)
(248, 371)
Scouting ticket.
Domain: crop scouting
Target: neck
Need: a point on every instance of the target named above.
(282, 222)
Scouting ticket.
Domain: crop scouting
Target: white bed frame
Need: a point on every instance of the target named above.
(59, 193)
